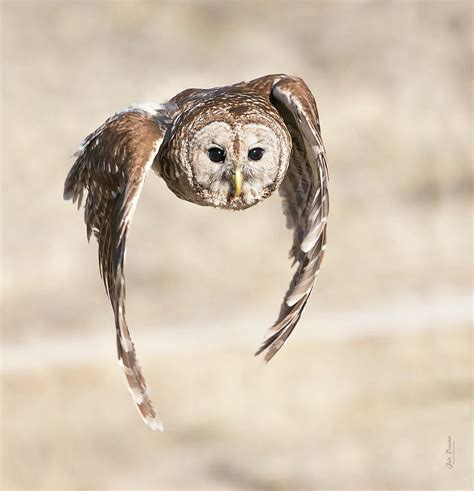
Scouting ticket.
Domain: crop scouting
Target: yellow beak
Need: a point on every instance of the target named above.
(238, 182)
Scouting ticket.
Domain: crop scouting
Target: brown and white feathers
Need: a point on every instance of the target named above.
(227, 147)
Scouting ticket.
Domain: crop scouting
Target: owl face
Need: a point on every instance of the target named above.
(235, 161)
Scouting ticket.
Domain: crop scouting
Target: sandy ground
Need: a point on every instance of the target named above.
(374, 412)
(376, 378)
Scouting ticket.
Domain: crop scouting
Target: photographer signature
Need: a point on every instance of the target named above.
(450, 453)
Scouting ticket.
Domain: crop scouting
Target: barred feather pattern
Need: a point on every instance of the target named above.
(305, 201)
(111, 167)
(113, 162)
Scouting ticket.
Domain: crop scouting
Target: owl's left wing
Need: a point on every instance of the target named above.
(112, 164)
(304, 193)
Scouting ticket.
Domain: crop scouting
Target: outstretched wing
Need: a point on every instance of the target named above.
(305, 199)
(112, 164)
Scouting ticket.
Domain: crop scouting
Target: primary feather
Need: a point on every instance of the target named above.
(112, 164)
(305, 202)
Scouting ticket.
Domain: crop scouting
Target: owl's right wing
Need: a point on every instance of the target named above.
(304, 193)
(112, 164)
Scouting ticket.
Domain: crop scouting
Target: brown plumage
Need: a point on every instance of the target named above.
(228, 147)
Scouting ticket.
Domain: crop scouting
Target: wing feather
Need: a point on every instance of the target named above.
(305, 201)
(111, 166)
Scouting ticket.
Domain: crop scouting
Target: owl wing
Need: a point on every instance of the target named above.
(112, 164)
(305, 200)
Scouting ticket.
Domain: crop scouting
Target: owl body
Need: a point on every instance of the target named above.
(227, 147)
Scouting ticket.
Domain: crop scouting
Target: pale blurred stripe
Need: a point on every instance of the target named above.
(399, 315)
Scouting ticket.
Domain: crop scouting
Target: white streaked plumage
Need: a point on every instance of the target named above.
(227, 147)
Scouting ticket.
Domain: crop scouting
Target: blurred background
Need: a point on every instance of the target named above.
(375, 380)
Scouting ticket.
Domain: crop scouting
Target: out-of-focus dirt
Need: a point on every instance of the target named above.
(368, 413)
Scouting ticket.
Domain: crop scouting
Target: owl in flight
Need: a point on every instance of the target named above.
(228, 147)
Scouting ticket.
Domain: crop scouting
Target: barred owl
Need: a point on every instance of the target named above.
(227, 147)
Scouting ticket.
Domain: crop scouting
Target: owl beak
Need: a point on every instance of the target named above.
(237, 182)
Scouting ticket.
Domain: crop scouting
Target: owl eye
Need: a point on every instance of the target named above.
(216, 154)
(256, 153)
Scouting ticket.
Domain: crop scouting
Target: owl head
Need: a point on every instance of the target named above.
(231, 154)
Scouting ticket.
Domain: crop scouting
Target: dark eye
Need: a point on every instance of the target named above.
(256, 153)
(216, 154)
